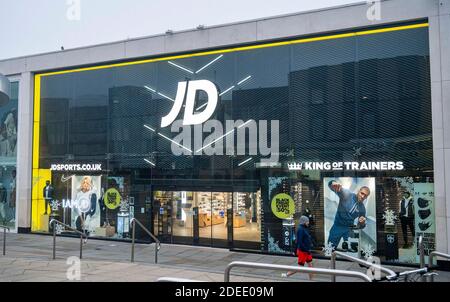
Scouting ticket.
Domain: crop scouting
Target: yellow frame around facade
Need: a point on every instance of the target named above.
(39, 175)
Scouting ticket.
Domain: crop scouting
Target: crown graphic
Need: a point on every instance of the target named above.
(295, 166)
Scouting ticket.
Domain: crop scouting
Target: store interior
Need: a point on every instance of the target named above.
(178, 209)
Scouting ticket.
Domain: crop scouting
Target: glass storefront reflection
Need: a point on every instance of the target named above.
(365, 98)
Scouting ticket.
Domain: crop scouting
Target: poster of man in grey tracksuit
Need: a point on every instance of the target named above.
(351, 212)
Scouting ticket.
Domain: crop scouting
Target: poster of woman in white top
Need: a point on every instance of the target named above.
(85, 210)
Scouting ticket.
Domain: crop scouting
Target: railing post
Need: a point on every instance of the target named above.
(227, 273)
(333, 266)
(54, 239)
(422, 252)
(133, 238)
(81, 247)
(4, 241)
(133, 233)
(422, 257)
(54, 223)
(430, 264)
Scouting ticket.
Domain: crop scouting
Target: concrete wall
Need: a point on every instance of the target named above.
(320, 21)
(440, 91)
(24, 151)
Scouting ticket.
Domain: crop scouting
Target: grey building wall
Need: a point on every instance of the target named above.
(440, 92)
(319, 21)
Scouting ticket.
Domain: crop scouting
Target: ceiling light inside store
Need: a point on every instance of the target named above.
(151, 89)
(149, 128)
(180, 67)
(172, 141)
(244, 80)
(165, 96)
(219, 57)
(245, 161)
(150, 162)
(227, 90)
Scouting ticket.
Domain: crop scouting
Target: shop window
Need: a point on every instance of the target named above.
(8, 157)
(363, 99)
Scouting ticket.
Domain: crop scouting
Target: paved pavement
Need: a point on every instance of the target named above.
(29, 258)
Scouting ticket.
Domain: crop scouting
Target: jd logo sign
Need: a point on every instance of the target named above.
(198, 134)
(188, 91)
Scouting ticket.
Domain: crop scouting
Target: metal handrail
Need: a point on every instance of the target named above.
(157, 242)
(300, 269)
(54, 221)
(170, 279)
(416, 271)
(390, 273)
(4, 238)
(431, 258)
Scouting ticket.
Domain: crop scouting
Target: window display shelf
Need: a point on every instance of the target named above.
(216, 205)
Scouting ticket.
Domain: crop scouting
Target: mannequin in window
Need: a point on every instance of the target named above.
(407, 217)
(3, 209)
(307, 212)
(2, 193)
(12, 196)
(248, 204)
(48, 193)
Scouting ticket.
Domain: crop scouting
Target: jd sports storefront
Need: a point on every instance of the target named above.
(229, 147)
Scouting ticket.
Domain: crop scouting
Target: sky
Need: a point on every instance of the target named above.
(30, 27)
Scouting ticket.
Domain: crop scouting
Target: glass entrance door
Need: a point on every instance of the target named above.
(212, 218)
(162, 215)
(247, 220)
(217, 219)
(220, 202)
(203, 202)
(183, 217)
(173, 216)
